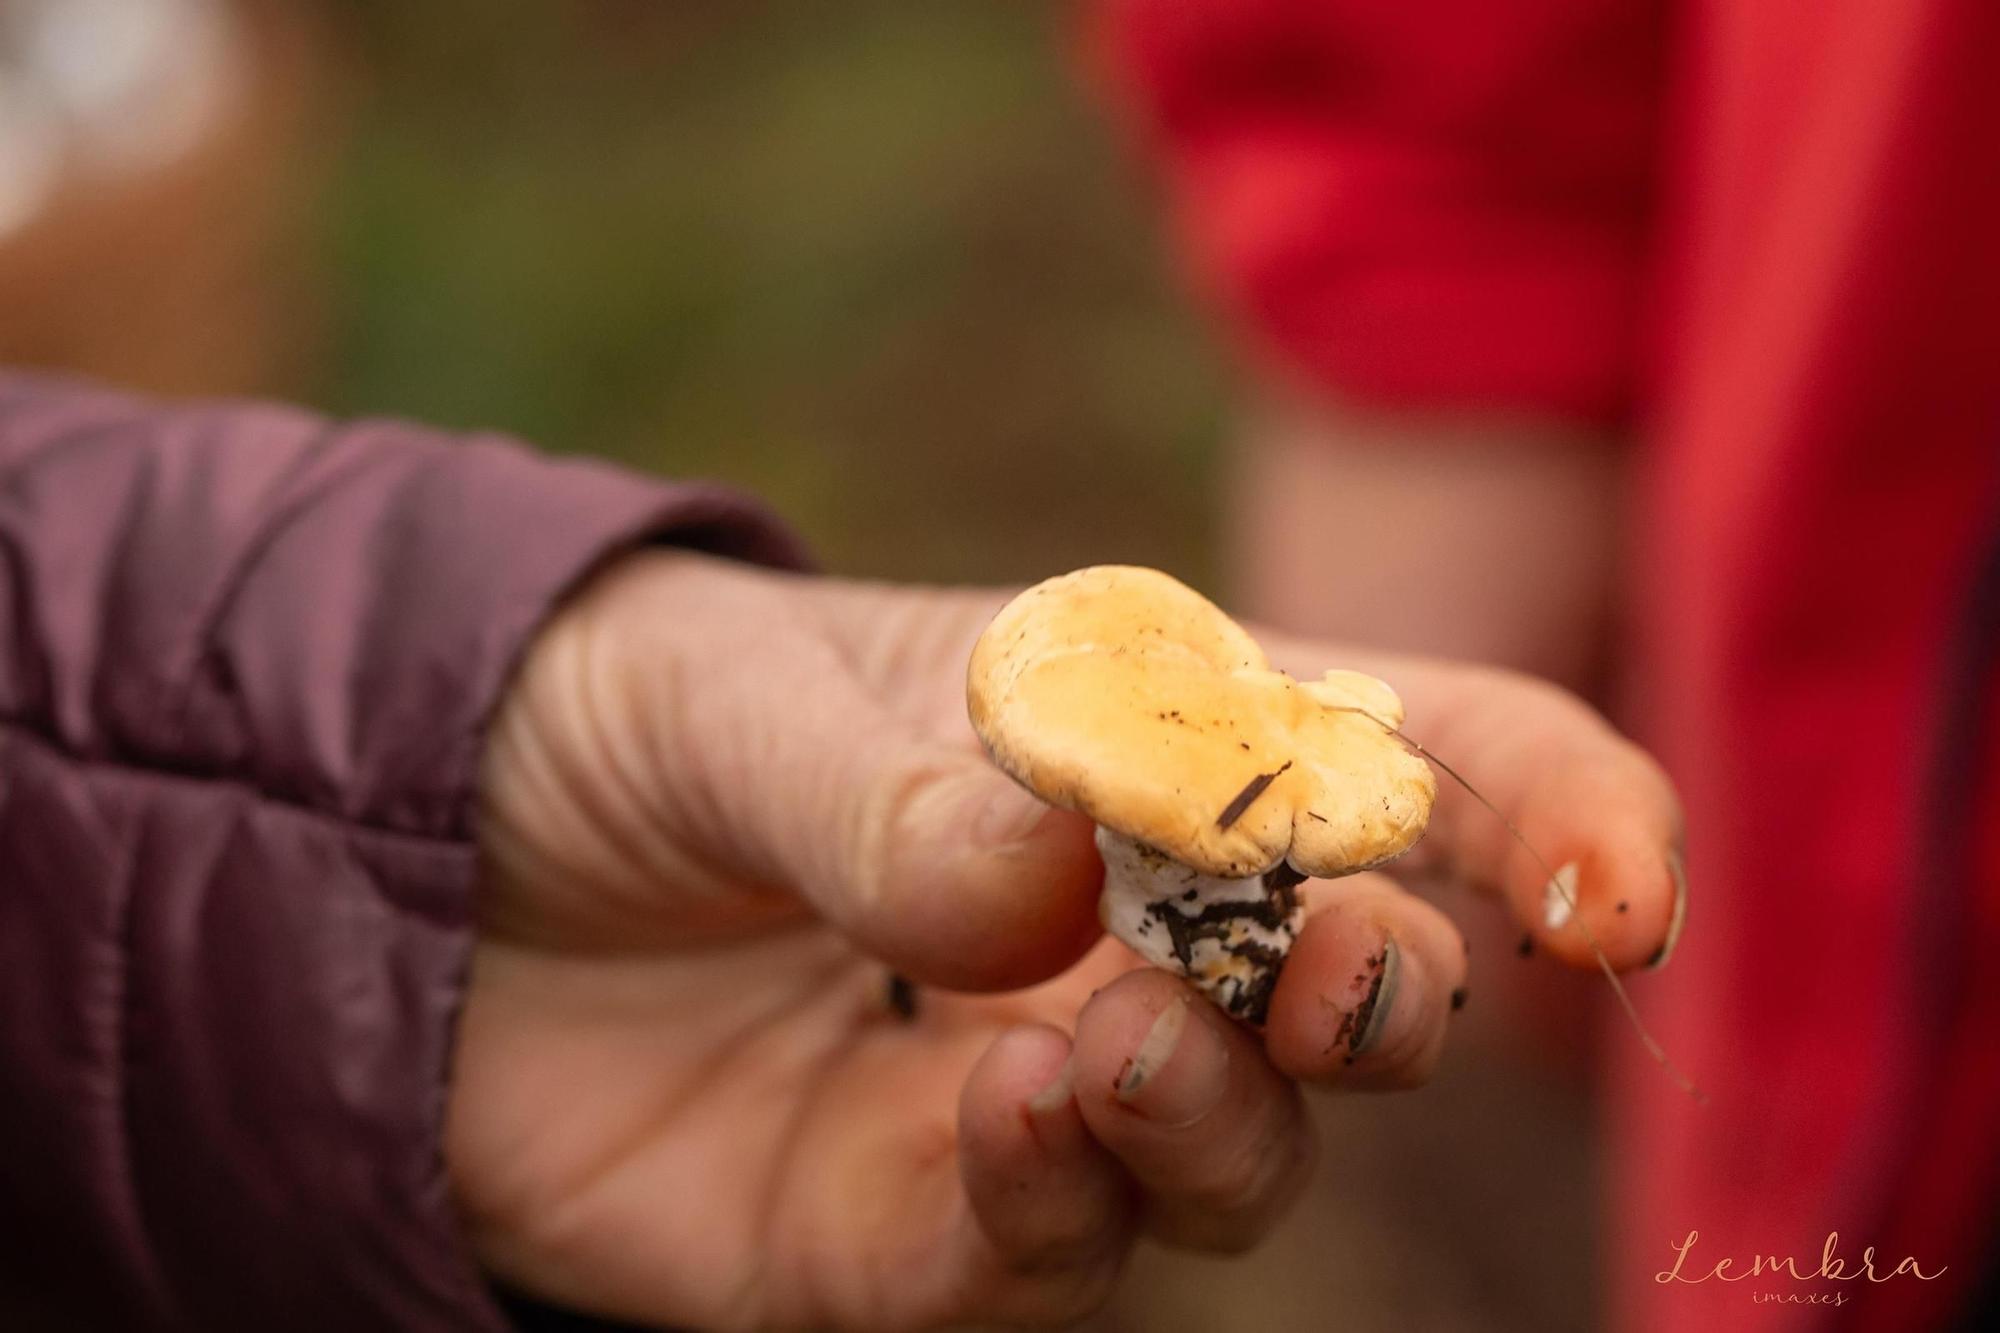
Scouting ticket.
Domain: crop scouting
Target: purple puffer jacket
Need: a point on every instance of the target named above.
(245, 659)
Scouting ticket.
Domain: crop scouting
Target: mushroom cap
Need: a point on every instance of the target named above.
(1122, 693)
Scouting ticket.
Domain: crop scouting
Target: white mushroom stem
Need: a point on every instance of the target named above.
(1227, 936)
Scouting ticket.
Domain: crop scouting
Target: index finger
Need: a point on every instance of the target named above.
(1600, 815)
(1599, 811)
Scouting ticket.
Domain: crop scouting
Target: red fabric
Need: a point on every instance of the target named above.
(1823, 487)
(1375, 191)
(1787, 262)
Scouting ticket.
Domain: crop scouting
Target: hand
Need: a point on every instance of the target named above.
(1467, 534)
(721, 804)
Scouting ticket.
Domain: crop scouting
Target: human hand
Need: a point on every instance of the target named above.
(721, 803)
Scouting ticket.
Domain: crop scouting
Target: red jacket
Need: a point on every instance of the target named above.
(1769, 236)
(245, 660)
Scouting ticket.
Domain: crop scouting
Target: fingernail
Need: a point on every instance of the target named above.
(1155, 1049)
(1371, 1018)
(1179, 1072)
(1055, 1096)
(1559, 897)
(1006, 817)
(1678, 871)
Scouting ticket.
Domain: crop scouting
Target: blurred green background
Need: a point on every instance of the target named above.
(885, 264)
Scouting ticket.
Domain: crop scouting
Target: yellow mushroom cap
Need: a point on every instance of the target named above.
(1122, 693)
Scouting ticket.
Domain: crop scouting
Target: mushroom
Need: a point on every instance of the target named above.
(1218, 784)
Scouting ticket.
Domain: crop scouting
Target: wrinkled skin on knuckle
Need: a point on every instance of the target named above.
(1060, 1295)
(1245, 1196)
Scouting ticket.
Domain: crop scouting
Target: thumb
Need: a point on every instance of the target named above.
(918, 849)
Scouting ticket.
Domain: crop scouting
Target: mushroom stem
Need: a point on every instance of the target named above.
(1227, 936)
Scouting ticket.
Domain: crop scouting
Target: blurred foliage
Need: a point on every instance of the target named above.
(883, 263)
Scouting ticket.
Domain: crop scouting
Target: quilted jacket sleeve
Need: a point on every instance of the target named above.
(245, 658)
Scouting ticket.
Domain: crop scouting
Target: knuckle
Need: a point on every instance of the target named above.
(1229, 1207)
(872, 820)
(1055, 1251)
(1063, 1295)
